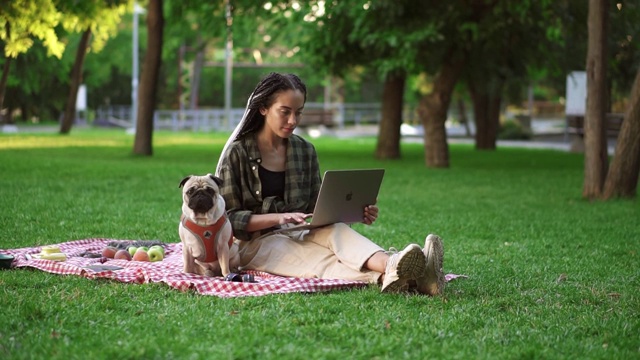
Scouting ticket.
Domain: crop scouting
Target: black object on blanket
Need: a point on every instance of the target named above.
(124, 244)
(247, 278)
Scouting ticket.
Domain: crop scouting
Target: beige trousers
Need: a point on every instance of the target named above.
(331, 252)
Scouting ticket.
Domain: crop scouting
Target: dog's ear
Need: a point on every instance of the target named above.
(184, 181)
(216, 179)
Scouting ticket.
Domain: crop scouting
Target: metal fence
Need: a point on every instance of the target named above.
(216, 119)
(197, 120)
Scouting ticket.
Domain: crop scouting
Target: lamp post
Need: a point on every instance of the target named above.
(137, 10)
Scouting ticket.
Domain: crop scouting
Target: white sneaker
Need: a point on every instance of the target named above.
(433, 281)
(403, 266)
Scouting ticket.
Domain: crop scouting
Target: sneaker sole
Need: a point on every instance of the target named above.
(433, 284)
(411, 266)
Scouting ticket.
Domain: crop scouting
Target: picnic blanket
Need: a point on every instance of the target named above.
(168, 271)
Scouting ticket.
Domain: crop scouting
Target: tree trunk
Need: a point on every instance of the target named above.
(595, 140)
(486, 112)
(433, 113)
(76, 79)
(149, 80)
(3, 89)
(5, 77)
(622, 180)
(388, 146)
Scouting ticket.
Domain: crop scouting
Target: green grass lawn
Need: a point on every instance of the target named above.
(549, 274)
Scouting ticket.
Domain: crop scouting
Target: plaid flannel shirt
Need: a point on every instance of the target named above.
(242, 189)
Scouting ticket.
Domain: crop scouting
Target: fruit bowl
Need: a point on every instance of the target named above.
(5, 261)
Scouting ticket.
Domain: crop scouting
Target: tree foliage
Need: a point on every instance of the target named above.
(102, 18)
(384, 35)
(23, 20)
(24, 23)
(40, 19)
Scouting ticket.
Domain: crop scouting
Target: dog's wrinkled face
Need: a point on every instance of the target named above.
(199, 192)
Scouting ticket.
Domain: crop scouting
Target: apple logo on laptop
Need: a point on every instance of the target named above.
(349, 196)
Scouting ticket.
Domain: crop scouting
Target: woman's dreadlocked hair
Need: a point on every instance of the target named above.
(263, 96)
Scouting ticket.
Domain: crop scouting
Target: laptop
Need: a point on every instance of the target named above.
(342, 197)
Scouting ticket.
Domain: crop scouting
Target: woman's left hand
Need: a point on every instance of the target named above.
(370, 214)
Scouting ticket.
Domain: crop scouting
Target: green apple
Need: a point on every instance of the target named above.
(159, 247)
(145, 248)
(155, 253)
(132, 250)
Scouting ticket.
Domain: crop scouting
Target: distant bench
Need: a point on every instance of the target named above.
(316, 117)
(613, 123)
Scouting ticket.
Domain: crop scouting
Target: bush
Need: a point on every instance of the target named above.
(513, 130)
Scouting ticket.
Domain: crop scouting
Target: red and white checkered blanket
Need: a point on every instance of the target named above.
(169, 271)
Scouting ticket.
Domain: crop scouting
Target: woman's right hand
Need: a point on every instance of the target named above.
(295, 218)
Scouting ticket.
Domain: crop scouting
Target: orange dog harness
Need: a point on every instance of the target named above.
(207, 235)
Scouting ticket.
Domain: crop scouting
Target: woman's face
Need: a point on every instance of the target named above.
(282, 117)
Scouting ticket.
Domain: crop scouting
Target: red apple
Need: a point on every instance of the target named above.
(141, 255)
(123, 255)
(132, 250)
(109, 252)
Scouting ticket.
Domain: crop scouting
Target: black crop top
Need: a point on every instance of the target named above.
(272, 182)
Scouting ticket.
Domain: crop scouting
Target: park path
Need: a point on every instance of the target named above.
(547, 134)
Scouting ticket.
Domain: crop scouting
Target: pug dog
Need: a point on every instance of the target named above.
(205, 231)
